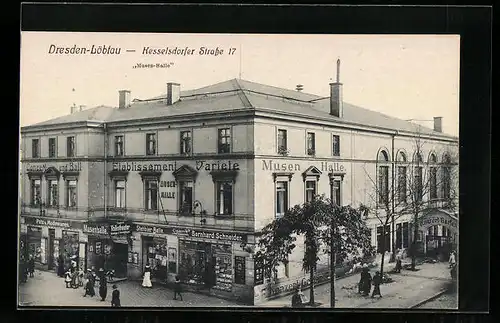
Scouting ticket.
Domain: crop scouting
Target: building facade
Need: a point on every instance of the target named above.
(185, 181)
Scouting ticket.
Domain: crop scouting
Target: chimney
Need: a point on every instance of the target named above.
(123, 99)
(438, 124)
(173, 93)
(336, 100)
(299, 87)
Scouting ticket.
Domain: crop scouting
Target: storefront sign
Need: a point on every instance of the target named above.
(445, 220)
(101, 229)
(70, 167)
(34, 229)
(120, 228)
(150, 229)
(53, 223)
(209, 235)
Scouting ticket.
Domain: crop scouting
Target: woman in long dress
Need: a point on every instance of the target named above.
(103, 285)
(146, 281)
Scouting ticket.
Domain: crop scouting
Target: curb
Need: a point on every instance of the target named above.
(430, 298)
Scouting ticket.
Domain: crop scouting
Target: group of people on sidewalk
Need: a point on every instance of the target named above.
(27, 268)
(146, 282)
(366, 281)
(75, 278)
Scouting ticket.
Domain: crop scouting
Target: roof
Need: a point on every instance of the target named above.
(237, 94)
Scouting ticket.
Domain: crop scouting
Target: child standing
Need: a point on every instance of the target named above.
(67, 279)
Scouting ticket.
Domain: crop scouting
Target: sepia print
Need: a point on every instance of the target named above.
(238, 170)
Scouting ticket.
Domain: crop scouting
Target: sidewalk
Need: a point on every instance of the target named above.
(46, 289)
(407, 290)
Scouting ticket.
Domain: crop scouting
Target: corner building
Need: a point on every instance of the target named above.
(186, 180)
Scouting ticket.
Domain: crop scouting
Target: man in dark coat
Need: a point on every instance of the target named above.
(103, 285)
(298, 298)
(31, 266)
(377, 280)
(367, 281)
(177, 288)
(89, 286)
(60, 266)
(115, 297)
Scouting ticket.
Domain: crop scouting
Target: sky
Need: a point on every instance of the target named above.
(405, 76)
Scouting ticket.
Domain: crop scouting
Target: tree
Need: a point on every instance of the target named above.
(339, 230)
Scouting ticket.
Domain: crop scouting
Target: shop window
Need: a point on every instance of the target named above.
(52, 198)
(35, 148)
(150, 144)
(239, 270)
(35, 192)
(158, 257)
(224, 141)
(151, 195)
(335, 145)
(224, 198)
(281, 198)
(172, 260)
(258, 272)
(282, 141)
(186, 141)
(119, 151)
(120, 194)
(70, 146)
(71, 193)
(185, 197)
(52, 147)
(310, 190)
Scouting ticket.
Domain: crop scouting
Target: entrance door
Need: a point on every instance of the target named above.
(120, 257)
(50, 256)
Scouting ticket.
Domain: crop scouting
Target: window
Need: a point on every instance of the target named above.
(119, 146)
(151, 144)
(383, 184)
(172, 260)
(52, 147)
(185, 142)
(336, 184)
(186, 197)
(406, 233)
(310, 190)
(52, 198)
(399, 236)
(336, 145)
(281, 198)
(71, 193)
(311, 144)
(433, 182)
(70, 146)
(119, 194)
(383, 240)
(224, 141)
(35, 148)
(402, 184)
(35, 192)
(282, 141)
(224, 198)
(446, 187)
(151, 195)
(418, 185)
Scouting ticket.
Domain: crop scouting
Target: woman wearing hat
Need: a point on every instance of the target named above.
(146, 281)
(89, 286)
(115, 297)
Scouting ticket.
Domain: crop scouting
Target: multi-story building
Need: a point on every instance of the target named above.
(186, 180)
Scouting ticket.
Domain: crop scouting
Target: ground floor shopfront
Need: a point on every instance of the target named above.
(48, 240)
(218, 263)
(437, 234)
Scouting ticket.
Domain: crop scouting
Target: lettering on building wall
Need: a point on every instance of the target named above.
(208, 235)
(286, 287)
(116, 229)
(148, 229)
(167, 194)
(439, 220)
(219, 165)
(98, 229)
(278, 166)
(70, 167)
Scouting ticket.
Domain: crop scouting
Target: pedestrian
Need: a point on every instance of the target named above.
(146, 281)
(31, 266)
(298, 298)
(68, 278)
(60, 266)
(452, 260)
(22, 271)
(177, 288)
(377, 280)
(103, 285)
(398, 267)
(367, 280)
(89, 287)
(115, 297)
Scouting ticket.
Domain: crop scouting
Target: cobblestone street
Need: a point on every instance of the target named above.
(407, 290)
(46, 289)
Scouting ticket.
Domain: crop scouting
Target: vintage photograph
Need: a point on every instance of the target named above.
(238, 170)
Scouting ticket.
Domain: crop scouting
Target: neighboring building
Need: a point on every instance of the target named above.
(191, 178)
